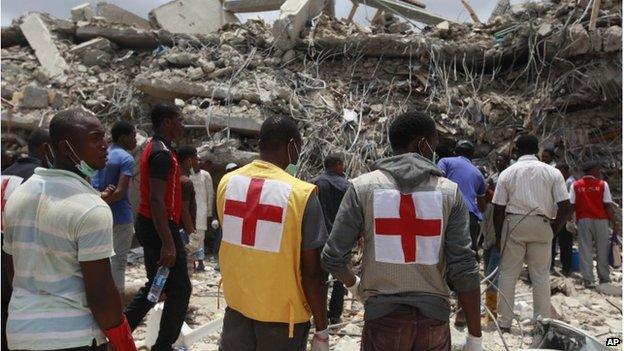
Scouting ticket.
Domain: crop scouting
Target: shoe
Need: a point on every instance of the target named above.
(589, 284)
(200, 266)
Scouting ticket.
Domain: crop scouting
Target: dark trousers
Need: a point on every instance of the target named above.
(474, 234)
(244, 334)
(177, 289)
(336, 302)
(406, 330)
(565, 251)
(213, 241)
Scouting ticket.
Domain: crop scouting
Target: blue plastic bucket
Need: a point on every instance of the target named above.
(576, 260)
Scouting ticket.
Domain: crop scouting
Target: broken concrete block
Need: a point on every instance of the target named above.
(579, 40)
(252, 5)
(293, 17)
(126, 37)
(595, 39)
(34, 97)
(399, 27)
(40, 39)
(181, 59)
(612, 39)
(405, 9)
(82, 12)
(97, 43)
(191, 16)
(544, 29)
(96, 57)
(115, 14)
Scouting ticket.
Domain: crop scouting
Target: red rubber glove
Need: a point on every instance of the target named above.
(121, 336)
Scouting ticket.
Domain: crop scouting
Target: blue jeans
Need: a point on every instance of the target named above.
(491, 259)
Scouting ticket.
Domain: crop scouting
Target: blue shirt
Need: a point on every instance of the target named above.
(119, 163)
(470, 180)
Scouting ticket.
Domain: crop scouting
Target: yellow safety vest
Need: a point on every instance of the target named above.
(263, 285)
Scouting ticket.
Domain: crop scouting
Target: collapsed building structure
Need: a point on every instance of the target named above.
(543, 67)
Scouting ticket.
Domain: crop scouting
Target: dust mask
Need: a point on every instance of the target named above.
(81, 165)
(292, 168)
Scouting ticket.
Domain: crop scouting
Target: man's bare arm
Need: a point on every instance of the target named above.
(564, 212)
(102, 296)
(160, 218)
(314, 288)
(120, 190)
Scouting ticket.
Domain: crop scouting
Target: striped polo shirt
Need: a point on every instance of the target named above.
(54, 221)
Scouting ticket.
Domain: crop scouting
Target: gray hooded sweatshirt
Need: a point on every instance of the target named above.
(411, 268)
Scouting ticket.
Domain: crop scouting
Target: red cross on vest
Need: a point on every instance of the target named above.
(408, 226)
(251, 211)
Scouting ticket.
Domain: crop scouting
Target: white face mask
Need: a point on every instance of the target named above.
(81, 165)
(292, 168)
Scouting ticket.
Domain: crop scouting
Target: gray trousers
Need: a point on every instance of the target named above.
(122, 240)
(524, 239)
(594, 233)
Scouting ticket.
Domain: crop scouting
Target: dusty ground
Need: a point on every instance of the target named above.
(586, 309)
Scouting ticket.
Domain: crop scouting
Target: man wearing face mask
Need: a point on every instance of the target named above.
(157, 226)
(12, 176)
(414, 225)
(59, 256)
(273, 229)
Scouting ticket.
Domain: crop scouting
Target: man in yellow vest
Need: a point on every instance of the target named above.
(273, 232)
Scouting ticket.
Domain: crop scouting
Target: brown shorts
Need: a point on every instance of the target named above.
(244, 334)
(406, 330)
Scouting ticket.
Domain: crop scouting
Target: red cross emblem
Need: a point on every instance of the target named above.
(408, 226)
(252, 211)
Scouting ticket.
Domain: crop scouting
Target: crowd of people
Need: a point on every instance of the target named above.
(422, 226)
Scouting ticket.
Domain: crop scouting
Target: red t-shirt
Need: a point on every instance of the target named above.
(589, 196)
(159, 161)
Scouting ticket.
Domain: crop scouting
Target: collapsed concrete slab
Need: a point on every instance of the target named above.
(126, 37)
(40, 40)
(94, 44)
(170, 89)
(115, 14)
(238, 119)
(407, 10)
(191, 16)
(294, 15)
(252, 5)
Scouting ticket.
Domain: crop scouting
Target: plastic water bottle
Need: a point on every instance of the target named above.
(158, 284)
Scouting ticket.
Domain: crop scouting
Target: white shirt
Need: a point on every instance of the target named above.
(204, 197)
(530, 186)
(606, 196)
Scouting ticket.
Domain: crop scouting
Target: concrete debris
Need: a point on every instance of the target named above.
(554, 334)
(94, 44)
(293, 17)
(34, 97)
(191, 16)
(40, 39)
(238, 6)
(406, 9)
(115, 14)
(82, 12)
(579, 40)
(613, 39)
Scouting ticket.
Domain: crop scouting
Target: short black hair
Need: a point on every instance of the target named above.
(185, 152)
(37, 138)
(162, 111)
(527, 144)
(63, 123)
(407, 127)
(333, 159)
(121, 128)
(465, 148)
(563, 167)
(277, 131)
(589, 165)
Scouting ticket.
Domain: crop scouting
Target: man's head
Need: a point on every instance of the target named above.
(465, 148)
(502, 162)
(564, 169)
(167, 120)
(334, 162)
(37, 143)
(592, 168)
(124, 135)
(414, 132)
(280, 141)
(187, 156)
(76, 135)
(527, 144)
(548, 156)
